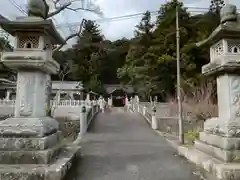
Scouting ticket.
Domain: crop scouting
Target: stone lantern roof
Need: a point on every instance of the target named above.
(30, 24)
(36, 21)
(228, 29)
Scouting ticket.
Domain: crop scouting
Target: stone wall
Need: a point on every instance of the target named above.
(69, 128)
(71, 113)
(6, 111)
(166, 114)
(170, 125)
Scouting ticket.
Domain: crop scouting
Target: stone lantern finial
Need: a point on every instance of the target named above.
(228, 13)
(38, 8)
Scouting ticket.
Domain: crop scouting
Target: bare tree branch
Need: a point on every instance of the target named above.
(67, 5)
(59, 9)
(72, 35)
(62, 7)
(56, 1)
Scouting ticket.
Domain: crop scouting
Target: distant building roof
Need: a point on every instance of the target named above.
(110, 88)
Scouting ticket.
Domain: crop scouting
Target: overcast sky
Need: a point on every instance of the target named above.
(111, 8)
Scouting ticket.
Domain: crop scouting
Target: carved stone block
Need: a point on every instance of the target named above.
(28, 127)
(42, 143)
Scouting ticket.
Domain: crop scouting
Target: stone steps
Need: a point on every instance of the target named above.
(55, 170)
(222, 154)
(30, 157)
(38, 143)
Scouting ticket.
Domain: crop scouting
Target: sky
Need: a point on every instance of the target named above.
(111, 8)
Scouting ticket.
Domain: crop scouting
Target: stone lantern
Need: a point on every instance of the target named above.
(218, 147)
(32, 138)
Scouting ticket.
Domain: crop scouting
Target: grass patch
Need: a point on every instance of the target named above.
(187, 145)
(191, 135)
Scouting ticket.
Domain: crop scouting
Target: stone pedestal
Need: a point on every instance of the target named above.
(218, 148)
(31, 140)
(31, 145)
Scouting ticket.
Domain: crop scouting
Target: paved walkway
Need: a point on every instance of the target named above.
(121, 146)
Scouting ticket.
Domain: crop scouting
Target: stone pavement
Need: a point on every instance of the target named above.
(121, 146)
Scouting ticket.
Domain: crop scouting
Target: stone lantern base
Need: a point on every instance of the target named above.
(211, 167)
(214, 152)
(32, 148)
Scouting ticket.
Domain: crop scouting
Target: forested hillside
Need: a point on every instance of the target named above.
(148, 60)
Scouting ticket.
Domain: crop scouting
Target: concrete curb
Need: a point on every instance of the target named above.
(173, 143)
(210, 167)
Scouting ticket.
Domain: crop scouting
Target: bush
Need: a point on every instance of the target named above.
(191, 135)
(200, 103)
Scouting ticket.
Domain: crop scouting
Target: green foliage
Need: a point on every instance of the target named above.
(191, 135)
(216, 6)
(5, 72)
(148, 60)
(151, 60)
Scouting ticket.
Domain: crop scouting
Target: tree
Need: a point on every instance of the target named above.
(151, 60)
(87, 55)
(136, 69)
(6, 72)
(113, 59)
(216, 6)
(60, 6)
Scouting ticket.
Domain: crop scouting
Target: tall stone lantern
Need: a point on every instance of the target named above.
(221, 136)
(31, 139)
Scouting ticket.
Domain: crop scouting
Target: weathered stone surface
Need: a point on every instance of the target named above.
(38, 8)
(222, 154)
(220, 67)
(29, 157)
(226, 127)
(225, 143)
(28, 127)
(69, 128)
(41, 143)
(55, 171)
(217, 168)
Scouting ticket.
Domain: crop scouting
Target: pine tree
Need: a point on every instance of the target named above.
(86, 54)
(216, 6)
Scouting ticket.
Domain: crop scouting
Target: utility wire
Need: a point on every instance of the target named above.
(192, 10)
(119, 18)
(18, 7)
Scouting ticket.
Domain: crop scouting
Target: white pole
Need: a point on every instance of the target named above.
(154, 119)
(83, 121)
(180, 120)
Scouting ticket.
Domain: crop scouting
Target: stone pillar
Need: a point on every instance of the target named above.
(33, 91)
(83, 120)
(110, 102)
(71, 94)
(137, 103)
(131, 104)
(221, 136)
(126, 101)
(58, 96)
(8, 93)
(88, 100)
(101, 103)
(31, 140)
(154, 119)
(144, 110)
